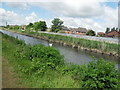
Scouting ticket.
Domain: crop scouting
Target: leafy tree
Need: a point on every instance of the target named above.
(43, 26)
(29, 26)
(57, 25)
(40, 26)
(90, 33)
(113, 29)
(107, 30)
(10, 27)
(117, 29)
(16, 27)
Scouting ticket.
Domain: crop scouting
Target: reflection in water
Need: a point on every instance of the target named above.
(70, 54)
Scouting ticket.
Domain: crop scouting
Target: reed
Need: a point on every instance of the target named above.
(85, 43)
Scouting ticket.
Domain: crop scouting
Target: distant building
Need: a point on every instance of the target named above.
(79, 31)
(23, 27)
(102, 34)
(113, 33)
(66, 29)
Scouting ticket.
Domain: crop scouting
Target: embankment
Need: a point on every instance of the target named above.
(79, 43)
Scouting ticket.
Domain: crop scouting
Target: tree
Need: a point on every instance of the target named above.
(30, 25)
(117, 29)
(107, 30)
(16, 27)
(113, 29)
(57, 25)
(90, 33)
(43, 26)
(40, 26)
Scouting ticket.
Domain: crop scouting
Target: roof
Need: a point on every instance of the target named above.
(101, 33)
(113, 31)
(78, 29)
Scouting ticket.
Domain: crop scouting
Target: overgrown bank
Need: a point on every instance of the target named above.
(40, 66)
(80, 43)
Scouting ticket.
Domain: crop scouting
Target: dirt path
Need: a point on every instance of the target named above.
(9, 79)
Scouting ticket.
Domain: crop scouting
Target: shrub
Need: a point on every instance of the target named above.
(43, 58)
(99, 74)
(90, 33)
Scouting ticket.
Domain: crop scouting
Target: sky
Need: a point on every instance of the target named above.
(91, 14)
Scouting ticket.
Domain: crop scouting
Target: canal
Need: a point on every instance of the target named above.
(70, 54)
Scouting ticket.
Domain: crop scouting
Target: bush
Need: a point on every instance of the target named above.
(90, 33)
(99, 74)
(43, 58)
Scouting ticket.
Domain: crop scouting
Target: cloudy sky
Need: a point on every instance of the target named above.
(90, 14)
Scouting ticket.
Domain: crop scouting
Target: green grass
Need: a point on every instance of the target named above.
(91, 44)
(43, 67)
(84, 43)
(51, 78)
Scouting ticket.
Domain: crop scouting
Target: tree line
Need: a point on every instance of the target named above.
(56, 26)
(41, 25)
(112, 29)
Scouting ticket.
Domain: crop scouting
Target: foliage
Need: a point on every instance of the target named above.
(40, 26)
(99, 74)
(90, 33)
(112, 29)
(43, 67)
(91, 44)
(107, 30)
(30, 25)
(44, 57)
(57, 25)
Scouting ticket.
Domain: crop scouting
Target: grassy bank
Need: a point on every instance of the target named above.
(32, 73)
(43, 67)
(80, 43)
(103, 47)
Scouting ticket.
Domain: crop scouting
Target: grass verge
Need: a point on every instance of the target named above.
(43, 67)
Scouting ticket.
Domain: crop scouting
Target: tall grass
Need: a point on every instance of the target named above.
(91, 44)
(105, 47)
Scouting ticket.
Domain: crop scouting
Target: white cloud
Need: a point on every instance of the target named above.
(13, 18)
(52, 0)
(20, 5)
(71, 8)
(81, 22)
(77, 13)
(32, 18)
(74, 13)
(111, 16)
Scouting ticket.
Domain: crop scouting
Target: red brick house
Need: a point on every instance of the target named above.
(113, 33)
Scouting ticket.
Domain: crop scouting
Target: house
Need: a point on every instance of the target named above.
(79, 31)
(102, 34)
(113, 33)
(23, 27)
(66, 29)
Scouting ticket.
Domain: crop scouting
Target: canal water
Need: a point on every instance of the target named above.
(70, 54)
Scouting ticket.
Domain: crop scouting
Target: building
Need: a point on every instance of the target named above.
(79, 31)
(113, 33)
(66, 30)
(101, 34)
(23, 27)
